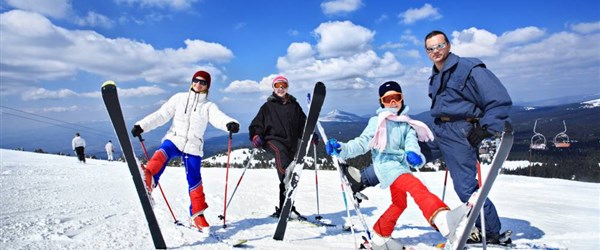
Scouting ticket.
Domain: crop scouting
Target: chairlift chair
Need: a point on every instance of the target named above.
(561, 140)
(538, 141)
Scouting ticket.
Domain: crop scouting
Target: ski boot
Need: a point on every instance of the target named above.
(199, 221)
(490, 238)
(353, 176)
(385, 243)
(277, 212)
(296, 215)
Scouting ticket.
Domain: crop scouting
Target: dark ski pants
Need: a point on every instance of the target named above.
(461, 159)
(157, 165)
(80, 151)
(283, 157)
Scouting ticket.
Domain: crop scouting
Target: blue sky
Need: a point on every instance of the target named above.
(55, 54)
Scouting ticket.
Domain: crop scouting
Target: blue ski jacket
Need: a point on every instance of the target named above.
(391, 162)
(465, 88)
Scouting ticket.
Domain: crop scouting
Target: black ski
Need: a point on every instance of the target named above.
(111, 100)
(295, 168)
(506, 143)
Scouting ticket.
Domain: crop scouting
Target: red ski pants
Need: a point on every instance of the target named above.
(427, 202)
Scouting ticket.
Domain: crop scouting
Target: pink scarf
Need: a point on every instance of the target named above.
(380, 138)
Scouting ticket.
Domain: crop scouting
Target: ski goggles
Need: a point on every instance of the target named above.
(389, 98)
(202, 82)
(434, 47)
(280, 85)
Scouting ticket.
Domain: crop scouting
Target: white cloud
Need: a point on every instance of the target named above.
(141, 91)
(35, 49)
(586, 27)
(298, 55)
(342, 39)
(340, 6)
(521, 35)
(60, 109)
(174, 4)
(42, 93)
(474, 42)
(247, 86)
(53, 8)
(94, 19)
(426, 12)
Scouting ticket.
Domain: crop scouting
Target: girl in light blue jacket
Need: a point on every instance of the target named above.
(392, 137)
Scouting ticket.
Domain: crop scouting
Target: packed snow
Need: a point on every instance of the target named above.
(54, 202)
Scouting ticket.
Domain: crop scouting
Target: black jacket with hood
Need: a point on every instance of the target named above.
(280, 119)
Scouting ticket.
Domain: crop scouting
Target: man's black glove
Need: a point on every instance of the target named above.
(233, 127)
(136, 130)
(477, 135)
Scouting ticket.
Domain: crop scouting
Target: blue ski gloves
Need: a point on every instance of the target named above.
(233, 127)
(414, 159)
(136, 131)
(257, 141)
(333, 147)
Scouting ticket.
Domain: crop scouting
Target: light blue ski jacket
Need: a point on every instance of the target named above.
(391, 162)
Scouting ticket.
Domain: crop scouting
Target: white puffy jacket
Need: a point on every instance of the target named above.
(191, 113)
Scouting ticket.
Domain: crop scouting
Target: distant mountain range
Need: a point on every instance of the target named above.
(582, 121)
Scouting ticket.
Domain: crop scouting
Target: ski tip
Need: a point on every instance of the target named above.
(109, 82)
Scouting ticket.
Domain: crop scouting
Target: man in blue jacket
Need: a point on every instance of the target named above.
(469, 104)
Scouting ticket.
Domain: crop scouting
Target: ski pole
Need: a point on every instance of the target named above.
(159, 186)
(480, 182)
(318, 217)
(445, 180)
(239, 181)
(226, 180)
(344, 180)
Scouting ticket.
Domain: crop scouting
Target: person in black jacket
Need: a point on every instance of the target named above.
(277, 128)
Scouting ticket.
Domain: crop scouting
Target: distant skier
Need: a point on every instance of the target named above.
(392, 138)
(191, 112)
(277, 127)
(110, 150)
(78, 145)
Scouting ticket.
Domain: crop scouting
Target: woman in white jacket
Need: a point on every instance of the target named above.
(191, 112)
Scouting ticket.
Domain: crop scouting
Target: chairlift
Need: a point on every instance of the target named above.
(538, 141)
(561, 140)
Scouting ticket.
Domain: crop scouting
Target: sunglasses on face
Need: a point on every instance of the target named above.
(202, 82)
(389, 98)
(434, 47)
(280, 85)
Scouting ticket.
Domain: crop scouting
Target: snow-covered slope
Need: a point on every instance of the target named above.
(53, 202)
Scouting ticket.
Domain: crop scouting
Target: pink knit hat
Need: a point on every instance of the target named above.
(279, 78)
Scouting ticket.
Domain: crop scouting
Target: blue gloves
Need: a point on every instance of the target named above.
(414, 159)
(333, 147)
